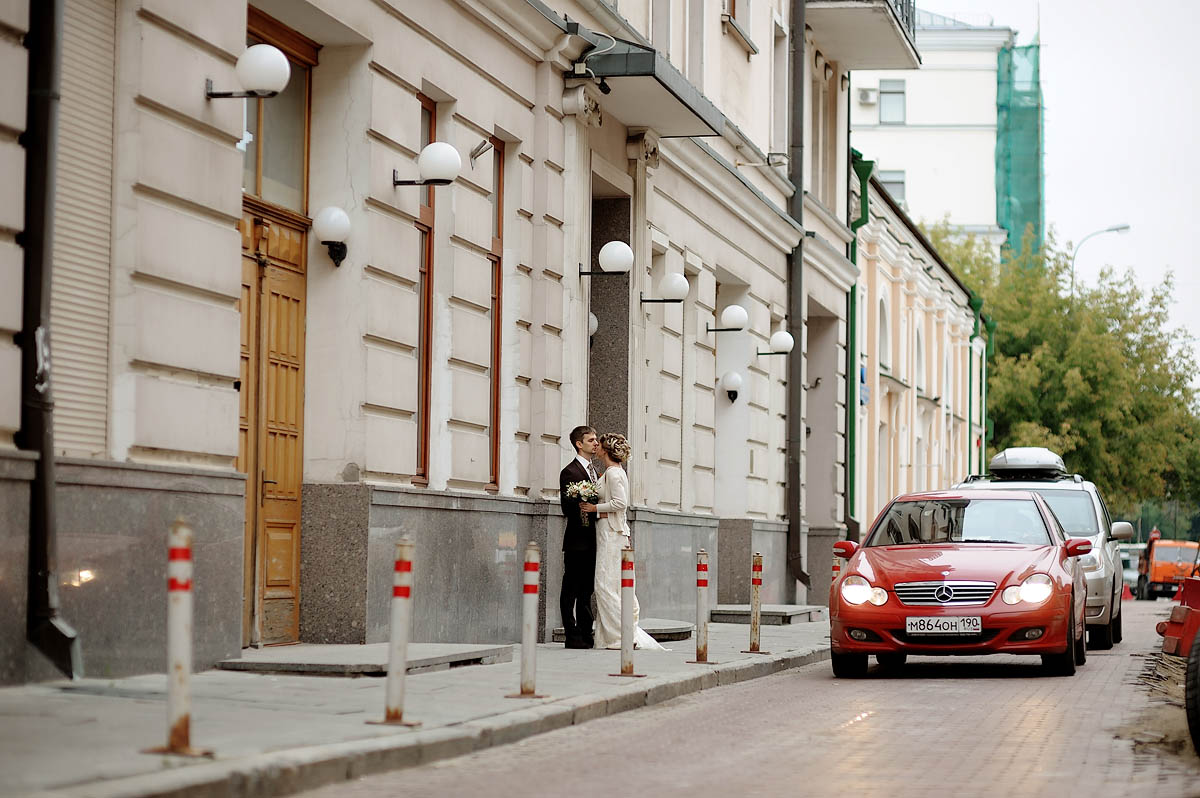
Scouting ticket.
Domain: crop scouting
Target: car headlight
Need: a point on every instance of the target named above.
(1033, 590)
(857, 590)
(1089, 562)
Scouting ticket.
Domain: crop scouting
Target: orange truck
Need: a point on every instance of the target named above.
(1164, 565)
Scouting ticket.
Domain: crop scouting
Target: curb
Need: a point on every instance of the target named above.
(286, 772)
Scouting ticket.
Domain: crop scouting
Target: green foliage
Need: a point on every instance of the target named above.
(1098, 377)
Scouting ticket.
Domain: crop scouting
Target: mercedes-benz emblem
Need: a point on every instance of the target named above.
(943, 593)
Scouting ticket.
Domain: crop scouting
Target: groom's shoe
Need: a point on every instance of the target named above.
(574, 641)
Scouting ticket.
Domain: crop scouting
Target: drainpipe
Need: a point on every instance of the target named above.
(990, 325)
(49, 633)
(976, 303)
(795, 323)
(863, 169)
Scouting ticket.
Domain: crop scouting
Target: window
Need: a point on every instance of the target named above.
(424, 225)
(891, 102)
(495, 258)
(275, 141)
(885, 345)
(893, 181)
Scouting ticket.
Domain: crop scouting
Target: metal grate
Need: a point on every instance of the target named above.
(934, 594)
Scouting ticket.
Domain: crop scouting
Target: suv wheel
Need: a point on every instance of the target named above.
(1116, 628)
(1101, 637)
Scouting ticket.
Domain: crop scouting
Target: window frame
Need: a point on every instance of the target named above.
(301, 51)
(424, 223)
(495, 258)
(894, 87)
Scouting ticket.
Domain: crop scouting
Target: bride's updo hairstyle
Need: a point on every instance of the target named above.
(615, 446)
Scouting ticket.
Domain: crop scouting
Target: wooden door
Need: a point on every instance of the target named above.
(271, 440)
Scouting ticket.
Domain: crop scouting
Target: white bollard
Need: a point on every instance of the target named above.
(179, 643)
(398, 639)
(529, 618)
(756, 567)
(628, 624)
(702, 609)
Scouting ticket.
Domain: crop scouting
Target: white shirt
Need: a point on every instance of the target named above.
(587, 466)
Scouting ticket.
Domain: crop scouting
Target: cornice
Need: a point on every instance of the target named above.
(832, 264)
(817, 209)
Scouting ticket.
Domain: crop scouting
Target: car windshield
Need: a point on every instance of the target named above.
(1074, 510)
(934, 521)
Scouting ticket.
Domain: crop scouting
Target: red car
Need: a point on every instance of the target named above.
(972, 572)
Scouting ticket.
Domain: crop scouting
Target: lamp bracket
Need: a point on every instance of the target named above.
(710, 329)
(396, 181)
(599, 273)
(642, 298)
(337, 251)
(762, 354)
(480, 149)
(219, 95)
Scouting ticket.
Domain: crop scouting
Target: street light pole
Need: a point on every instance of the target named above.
(1116, 228)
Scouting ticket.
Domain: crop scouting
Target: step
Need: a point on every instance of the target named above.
(661, 629)
(364, 660)
(770, 614)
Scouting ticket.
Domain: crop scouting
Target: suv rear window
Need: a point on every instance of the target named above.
(1073, 508)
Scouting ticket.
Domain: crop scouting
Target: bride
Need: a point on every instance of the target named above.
(612, 535)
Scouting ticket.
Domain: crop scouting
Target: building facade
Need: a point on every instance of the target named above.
(304, 408)
(922, 360)
(933, 132)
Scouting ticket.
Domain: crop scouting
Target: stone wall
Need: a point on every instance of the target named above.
(16, 470)
(665, 546)
(112, 561)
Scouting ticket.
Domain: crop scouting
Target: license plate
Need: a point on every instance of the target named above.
(935, 625)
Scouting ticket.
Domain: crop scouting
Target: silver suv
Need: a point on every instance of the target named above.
(1082, 512)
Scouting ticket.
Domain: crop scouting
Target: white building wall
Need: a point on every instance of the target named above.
(14, 22)
(946, 145)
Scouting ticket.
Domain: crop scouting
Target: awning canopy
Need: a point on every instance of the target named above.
(647, 91)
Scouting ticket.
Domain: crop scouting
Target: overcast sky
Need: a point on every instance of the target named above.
(1121, 80)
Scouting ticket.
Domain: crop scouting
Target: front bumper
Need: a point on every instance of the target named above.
(885, 628)
(1099, 598)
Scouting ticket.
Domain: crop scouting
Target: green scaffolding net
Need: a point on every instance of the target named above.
(1019, 118)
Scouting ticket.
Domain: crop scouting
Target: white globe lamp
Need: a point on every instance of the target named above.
(616, 257)
(593, 324)
(674, 287)
(331, 226)
(263, 70)
(734, 318)
(438, 164)
(782, 342)
(731, 383)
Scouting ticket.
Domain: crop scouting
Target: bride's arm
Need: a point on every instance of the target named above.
(618, 496)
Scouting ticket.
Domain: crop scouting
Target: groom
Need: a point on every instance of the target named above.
(579, 543)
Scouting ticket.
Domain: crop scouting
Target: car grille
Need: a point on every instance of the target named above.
(935, 594)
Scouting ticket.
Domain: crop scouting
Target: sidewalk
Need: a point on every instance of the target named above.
(274, 735)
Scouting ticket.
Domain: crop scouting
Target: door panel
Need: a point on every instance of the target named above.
(248, 387)
(273, 427)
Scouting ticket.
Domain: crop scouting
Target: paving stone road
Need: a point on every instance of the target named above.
(952, 726)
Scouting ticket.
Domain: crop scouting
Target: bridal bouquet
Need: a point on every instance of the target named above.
(584, 492)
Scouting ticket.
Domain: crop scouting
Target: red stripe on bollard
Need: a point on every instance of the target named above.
(626, 583)
(179, 555)
(531, 588)
(404, 565)
(626, 566)
(531, 566)
(702, 566)
(401, 591)
(179, 584)
(701, 583)
(757, 567)
(756, 581)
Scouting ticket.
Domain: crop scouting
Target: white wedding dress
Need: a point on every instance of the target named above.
(612, 535)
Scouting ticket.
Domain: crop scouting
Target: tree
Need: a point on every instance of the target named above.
(1098, 378)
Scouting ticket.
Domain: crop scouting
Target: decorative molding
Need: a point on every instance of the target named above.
(582, 103)
(642, 145)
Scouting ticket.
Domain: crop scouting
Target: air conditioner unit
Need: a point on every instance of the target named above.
(868, 96)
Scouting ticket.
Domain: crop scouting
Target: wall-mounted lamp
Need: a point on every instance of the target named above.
(734, 318)
(614, 258)
(673, 287)
(828, 71)
(781, 343)
(262, 70)
(731, 383)
(593, 324)
(331, 226)
(480, 149)
(438, 165)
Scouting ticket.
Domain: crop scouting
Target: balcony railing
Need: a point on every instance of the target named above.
(906, 12)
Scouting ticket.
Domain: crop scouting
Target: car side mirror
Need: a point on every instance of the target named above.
(1077, 547)
(845, 549)
(1121, 530)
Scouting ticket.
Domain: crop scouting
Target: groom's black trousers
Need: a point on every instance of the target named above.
(575, 600)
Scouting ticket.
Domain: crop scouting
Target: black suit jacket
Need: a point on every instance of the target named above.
(576, 537)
